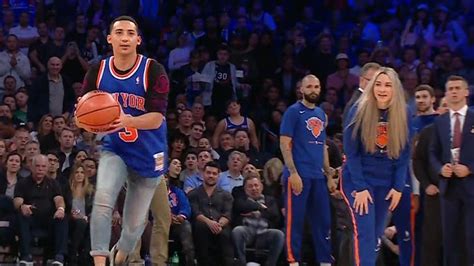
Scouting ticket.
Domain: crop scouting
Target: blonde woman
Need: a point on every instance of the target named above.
(81, 196)
(376, 143)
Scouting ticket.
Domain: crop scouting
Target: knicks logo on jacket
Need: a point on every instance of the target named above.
(315, 125)
(381, 139)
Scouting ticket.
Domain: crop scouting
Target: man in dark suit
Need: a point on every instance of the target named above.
(451, 157)
(366, 74)
(50, 93)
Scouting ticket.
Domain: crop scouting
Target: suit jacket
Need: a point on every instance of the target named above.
(355, 96)
(38, 99)
(422, 167)
(440, 149)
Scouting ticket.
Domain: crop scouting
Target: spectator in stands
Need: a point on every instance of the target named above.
(32, 149)
(3, 152)
(178, 145)
(194, 181)
(197, 109)
(51, 93)
(447, 31)
(179, 56)
(44, 131)
(205, 144)
(26, 34)
(211, 209)
(7, 130)
(235, 121)
(90, 49)
(90, 170)
(197, 130)
(9, 85)
(242, 143)
(8, 181)
(58, 47)
(79, 33)
(21, 97)
(10, 101)
(53, 168)
(67, 151)
(80, 196)
(191, 168)
(180, 213)
(233, 176)
(342, 80)
(21, 138)
(417, 28)
(226, 142)
(14, 63)
(258, 223)
(260, 18)
(38, 51)
(74, 65)
(41, 206)
(8, 20)
(185, 121)
(223, 85)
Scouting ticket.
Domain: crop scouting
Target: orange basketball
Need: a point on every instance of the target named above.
(97, 110)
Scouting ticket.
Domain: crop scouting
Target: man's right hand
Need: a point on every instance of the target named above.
(296, 183)
(431, 190)
(26, 210)
(447, 170)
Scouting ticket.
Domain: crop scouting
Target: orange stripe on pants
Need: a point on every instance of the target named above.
(289, 214)
(354, 223)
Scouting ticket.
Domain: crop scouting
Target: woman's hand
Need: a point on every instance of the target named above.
(361, 202)
(395, 196)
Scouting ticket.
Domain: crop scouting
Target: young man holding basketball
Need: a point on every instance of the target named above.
(135, 148)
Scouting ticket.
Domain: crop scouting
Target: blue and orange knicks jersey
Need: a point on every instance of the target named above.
(144, 151)
(306, 127)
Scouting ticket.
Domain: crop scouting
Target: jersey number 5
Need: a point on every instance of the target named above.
(129, 134)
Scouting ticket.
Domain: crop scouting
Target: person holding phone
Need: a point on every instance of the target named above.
(40, 204)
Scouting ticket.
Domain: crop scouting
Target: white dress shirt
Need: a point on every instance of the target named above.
(462, 116)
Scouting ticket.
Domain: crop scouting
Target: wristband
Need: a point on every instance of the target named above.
(60, 209)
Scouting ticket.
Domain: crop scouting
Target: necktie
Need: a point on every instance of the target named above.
(457, 131)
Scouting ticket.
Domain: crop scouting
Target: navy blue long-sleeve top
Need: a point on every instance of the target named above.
(374, 169)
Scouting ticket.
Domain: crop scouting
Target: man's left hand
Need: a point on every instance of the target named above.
(461, 170)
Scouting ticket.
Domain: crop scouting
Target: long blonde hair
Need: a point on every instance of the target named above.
(367, 115)
(86, 188)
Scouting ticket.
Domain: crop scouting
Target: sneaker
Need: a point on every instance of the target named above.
(26, 260)
(58, 260)
(113, 251)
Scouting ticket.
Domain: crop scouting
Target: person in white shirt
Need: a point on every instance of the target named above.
(14, 63)
(179, 56)
(26, 34)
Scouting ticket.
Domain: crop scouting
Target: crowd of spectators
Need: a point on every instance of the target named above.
(234, 67)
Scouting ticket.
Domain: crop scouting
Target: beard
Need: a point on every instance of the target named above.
(311, 97)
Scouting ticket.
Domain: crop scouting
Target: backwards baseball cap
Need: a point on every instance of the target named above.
(342, 56)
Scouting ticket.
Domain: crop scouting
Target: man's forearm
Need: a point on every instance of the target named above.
(59, 202)
(203, 219)
(287, 155)
(152, 120)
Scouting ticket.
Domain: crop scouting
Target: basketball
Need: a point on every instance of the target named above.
(97, 110)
